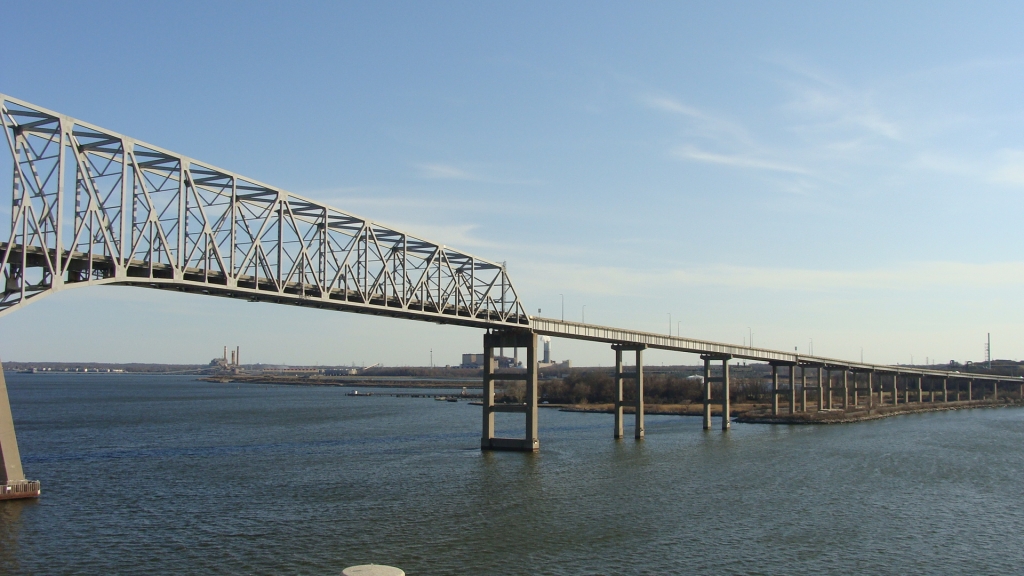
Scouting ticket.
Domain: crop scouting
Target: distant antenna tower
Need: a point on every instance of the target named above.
(988, 350)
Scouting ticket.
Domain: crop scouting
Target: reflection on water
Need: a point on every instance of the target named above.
(147, 475)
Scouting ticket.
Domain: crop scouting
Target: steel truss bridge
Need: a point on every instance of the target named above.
(94, 207)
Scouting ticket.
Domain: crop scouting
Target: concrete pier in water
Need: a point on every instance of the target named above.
(12, 478)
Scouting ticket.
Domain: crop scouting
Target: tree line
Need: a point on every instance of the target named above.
(598, 387)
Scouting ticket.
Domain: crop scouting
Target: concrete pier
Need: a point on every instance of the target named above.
(920, 390)
(510, 339)
(821, 391)
(846, 389)
(970, 391)
(724, 379)
(856, 391)
(803, 389)
(637, 375)
(945, 390)
(775, 390)
(12, 478)
(792, 389)
(871, 391)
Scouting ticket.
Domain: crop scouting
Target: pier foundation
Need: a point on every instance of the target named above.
(821, 391)
(637, 375)
(510, 339)
(724, 379)
(775, 389)
(12, 478)
(792, 389)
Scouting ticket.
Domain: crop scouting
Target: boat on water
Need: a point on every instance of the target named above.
(358, 393)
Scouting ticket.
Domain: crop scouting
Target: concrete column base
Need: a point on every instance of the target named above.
(510, 444)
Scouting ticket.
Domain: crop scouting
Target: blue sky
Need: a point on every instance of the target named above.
(848, 175)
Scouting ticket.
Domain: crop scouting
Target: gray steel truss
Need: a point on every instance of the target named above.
(90, 207)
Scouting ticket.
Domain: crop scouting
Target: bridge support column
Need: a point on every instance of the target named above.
(707, 392)
(895, 390)
(803, 389)
(775, 390)
(821, 391)
(945, 390)
(920, 390)
(856, 392)
(792, 389)
(871, 391)
(970, 391)
(906, 391)
(510, 339)
(618, 394)
(829, 376)
(12, 478)
(724, 379)
(846, 389)
(995, 391)
(638, 377)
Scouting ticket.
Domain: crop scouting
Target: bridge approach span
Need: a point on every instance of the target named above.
(622, 336)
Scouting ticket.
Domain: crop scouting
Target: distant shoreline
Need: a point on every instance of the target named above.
(761, 413)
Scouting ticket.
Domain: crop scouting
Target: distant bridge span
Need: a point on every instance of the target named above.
(93, 207)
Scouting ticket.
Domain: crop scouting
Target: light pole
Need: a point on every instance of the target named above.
(669, 324)
(563, 307)
(679, 333)
(584, 316)
(751, 339)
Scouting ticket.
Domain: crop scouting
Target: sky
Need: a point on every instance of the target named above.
(838, 178)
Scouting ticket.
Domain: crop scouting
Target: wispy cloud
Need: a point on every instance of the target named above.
(737, 160)
(444, 172)
(702, 123)
(915, 277)
(666, 104)
(1010, 169)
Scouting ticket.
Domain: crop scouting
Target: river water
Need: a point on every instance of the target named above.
(168, 475)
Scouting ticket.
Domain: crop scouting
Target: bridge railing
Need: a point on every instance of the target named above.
(90, 206)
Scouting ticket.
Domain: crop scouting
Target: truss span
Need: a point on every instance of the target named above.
(90, 206)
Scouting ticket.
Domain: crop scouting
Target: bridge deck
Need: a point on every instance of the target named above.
(594, 333)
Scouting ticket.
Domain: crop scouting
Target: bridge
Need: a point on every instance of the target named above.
(93, 207)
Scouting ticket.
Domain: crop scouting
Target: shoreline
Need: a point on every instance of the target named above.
(760, 414)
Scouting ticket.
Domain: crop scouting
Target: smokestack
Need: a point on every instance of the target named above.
(238, 355)
(547, 350)
(225, 354)
(232, 358)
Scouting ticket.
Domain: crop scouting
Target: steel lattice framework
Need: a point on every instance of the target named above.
(90, 206)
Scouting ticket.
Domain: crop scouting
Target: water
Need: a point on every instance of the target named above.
(160, 474)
